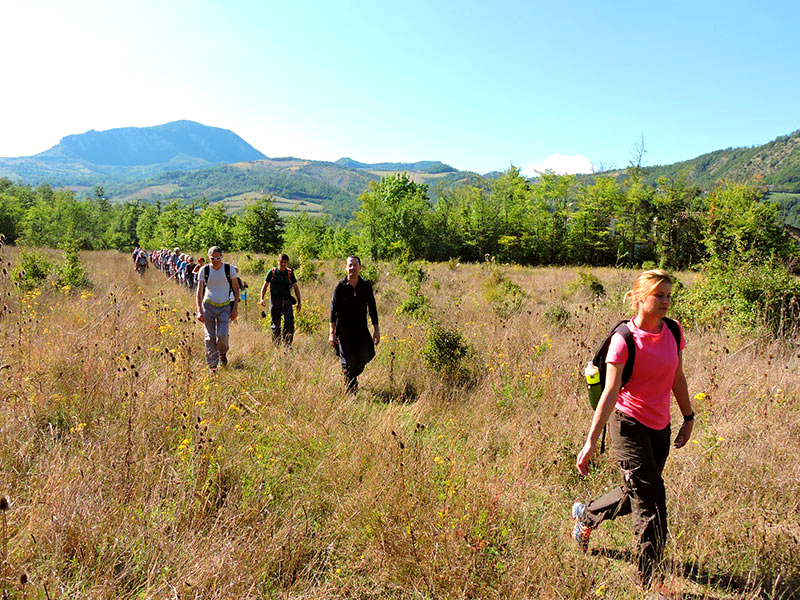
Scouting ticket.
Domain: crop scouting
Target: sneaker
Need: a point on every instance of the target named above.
(223, 360)
(581, 532)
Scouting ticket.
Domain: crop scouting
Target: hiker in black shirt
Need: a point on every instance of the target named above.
(349, 335)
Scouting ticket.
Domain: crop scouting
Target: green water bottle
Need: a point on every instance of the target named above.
(592, 375)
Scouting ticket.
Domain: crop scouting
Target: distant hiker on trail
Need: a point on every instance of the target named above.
(281, 281)
(215, 311)
(640, 422)
(349, 335)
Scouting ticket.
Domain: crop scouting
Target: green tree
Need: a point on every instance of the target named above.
(740, 225)
(260, 228)
(393, 214)
(212, 227)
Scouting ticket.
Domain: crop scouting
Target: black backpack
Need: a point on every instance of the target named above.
(621, 328)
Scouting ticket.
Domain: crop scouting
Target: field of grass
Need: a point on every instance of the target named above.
(132, 473)
(286, 206)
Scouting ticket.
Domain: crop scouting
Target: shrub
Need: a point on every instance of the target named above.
(253, 266)
(746, 296)
(587, 284)
(558, 315)
(71, 272)
(412, 273)
(371, 274)
(310, 319)
(307, 272)
(446, 351)
(31, 271)
(504, 296)
(415, 305)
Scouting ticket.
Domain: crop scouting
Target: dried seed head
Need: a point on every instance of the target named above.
(4, 505)
(23, 579)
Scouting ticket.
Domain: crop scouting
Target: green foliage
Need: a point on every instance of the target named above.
(307, 272)
(558, 315)
(309, 320)
(212, 227)
(415, 305)
(739, 223)
(413, 273)
(253, 266)
(587, 284)
(504, 296)
(71, 272)
(260, 228)
(31, 271)
(446, 351)
(371, 273)
(392, 216)
(745, 296)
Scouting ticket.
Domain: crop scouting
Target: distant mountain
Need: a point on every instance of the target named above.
(422, 166)
(131, 152)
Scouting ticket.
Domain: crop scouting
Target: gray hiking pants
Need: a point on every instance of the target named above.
(217, 319)
(641, 453)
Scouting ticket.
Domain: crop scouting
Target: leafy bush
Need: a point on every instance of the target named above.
(504, 296)
(310, 319)
(31, 271)
(307, 272)
(446, 351)
(558, 315)
(413, 273)
(254, 266)
(587, 284)
(415, 305)
(746, 296)
(71, 273)
(371, 274)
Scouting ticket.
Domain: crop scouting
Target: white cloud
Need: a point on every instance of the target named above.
(561, 165)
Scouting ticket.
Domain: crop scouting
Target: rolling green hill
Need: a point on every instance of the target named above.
(775, 164)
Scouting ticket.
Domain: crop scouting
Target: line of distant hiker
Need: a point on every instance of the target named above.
(218, 290)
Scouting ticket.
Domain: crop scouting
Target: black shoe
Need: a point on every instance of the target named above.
(223, 359)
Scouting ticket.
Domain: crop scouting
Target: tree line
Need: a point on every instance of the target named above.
(554, 220)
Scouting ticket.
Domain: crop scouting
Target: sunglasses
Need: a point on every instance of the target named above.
(216, 257)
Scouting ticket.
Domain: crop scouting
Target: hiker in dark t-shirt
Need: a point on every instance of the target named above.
(281, 281)
(349, 335)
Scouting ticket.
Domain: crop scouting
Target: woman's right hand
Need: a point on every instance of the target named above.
(583, 458)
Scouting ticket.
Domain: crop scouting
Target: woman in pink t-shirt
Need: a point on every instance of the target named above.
(639, 420)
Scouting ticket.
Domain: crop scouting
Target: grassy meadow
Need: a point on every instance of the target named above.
(130, 472)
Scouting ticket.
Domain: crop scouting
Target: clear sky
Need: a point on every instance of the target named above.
(479, 85)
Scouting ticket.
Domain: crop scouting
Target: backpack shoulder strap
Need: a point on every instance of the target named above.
(599, 359)
(228, 276)
(205, 274)
(626, 334)
(676, 331)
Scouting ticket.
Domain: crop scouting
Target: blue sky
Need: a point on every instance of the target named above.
(479, 85)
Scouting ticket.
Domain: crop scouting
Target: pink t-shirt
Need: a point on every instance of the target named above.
(646, 395)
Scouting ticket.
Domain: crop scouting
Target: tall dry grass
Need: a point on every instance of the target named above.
(134, 474)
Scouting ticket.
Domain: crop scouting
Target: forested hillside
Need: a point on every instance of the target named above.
(775, 165)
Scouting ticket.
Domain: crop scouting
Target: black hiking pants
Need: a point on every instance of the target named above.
(641, 453)
(281, 308)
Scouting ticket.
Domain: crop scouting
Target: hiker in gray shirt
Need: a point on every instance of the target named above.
(215, 309)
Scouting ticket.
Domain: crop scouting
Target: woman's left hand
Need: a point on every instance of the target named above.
(684, 434)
